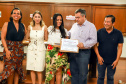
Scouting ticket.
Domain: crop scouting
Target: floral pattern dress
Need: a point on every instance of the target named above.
(54, 60)
(15, 63)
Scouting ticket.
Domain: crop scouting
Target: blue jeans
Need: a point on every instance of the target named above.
(101, 73)
(79, 66)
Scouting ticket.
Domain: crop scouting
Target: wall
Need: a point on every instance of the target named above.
(78, 1)
(124, 48)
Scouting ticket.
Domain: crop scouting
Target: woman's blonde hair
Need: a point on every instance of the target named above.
(32, 23)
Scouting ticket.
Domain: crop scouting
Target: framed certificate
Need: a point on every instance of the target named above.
(69, 45)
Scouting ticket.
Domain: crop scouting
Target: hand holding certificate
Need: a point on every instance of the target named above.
(69, 45)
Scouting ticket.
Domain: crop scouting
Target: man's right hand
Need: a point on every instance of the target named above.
(100, 60)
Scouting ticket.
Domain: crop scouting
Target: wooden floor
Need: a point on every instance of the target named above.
(119, 75)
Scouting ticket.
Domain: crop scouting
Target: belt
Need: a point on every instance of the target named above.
(83, 49)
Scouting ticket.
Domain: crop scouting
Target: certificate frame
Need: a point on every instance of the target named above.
(62, 50)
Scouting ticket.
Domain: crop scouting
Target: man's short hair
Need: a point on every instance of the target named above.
(113, 18)
(82, 11)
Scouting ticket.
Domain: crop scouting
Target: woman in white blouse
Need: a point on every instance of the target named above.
(55, 61)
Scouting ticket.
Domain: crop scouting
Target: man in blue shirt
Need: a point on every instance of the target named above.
(108, 49)
(86, 33)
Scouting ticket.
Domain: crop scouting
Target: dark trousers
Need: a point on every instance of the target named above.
(79, 66)
(101, 73)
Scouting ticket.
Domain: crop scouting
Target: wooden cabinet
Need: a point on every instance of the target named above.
(5, 10)
(67, 10)
(28, 8)
(94, 13)
(99, 13)
(48, 10)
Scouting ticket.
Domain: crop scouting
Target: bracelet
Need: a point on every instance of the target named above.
(5, 47)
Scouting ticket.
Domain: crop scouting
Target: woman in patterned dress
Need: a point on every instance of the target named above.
(55, 60)
(37, 32)
(13, 33)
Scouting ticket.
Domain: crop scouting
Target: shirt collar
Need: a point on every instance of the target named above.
(83, 23)
(111, 31)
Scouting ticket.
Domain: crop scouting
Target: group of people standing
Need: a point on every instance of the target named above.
(107, 43)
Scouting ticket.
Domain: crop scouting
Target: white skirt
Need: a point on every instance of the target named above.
(35, 60)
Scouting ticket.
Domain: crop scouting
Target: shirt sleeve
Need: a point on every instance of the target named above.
(92, 40)
(69, 32)
(50, 28)
(66, 32)
(121, 40)
(98, 36)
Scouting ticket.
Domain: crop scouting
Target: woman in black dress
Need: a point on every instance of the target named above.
(13, 33)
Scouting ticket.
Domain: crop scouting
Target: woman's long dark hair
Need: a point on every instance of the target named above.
(11, 19)
(61, 28)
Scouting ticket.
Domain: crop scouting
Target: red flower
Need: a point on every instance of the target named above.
(68, 72)
(60, 54)
(50, 47)
(50, 72)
